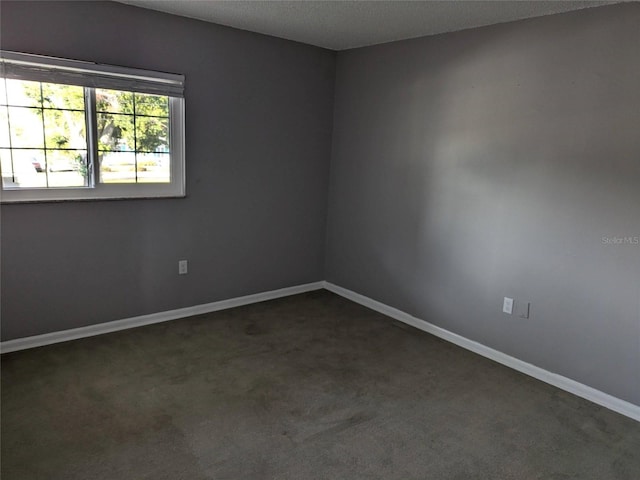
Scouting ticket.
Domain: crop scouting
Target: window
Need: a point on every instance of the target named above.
(74, 130)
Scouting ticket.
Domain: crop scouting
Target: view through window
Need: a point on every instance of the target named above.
(81, 141)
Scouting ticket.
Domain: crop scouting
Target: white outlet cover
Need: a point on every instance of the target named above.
(507, 305)
(182, 267)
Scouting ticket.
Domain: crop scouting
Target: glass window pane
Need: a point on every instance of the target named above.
(6, 167)
(65, 129)
(154, 167)
(55, 95)
(23, 93)
(3, 91)
(25, 125)
(4, 127)
(67, 168)
(152, 134)
(114, 101)
(156, 105)
(115, 132)
(28, 169)
(118, 167)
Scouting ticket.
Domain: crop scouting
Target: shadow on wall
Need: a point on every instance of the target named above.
(492, 163)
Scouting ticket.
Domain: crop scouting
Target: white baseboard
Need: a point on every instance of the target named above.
(596, 396)
(108, 327)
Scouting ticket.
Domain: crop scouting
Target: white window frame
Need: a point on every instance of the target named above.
(91, 75)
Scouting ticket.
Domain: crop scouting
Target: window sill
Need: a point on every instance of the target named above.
(22, 201)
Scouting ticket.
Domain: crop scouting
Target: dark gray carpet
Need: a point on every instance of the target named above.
(307, 387)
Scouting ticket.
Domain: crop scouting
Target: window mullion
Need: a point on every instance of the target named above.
(44, 137)
(93, 163)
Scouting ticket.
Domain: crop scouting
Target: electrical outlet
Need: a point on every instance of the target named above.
(507, 305)
(182, 267)
(523, 309)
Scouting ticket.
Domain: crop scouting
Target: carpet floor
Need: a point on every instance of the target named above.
(306, 387)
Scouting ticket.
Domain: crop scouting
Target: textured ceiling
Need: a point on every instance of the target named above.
(339, 25)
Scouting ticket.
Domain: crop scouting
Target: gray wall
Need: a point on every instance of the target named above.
(487, 163)
(258, 117)
(465, 167)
